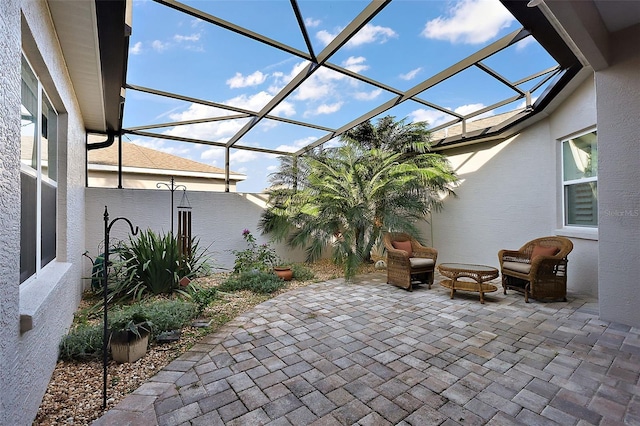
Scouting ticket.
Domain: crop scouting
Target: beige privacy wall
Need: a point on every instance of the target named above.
(218, 218)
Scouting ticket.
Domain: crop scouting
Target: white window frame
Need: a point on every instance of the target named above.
(37, 173)
(574, 230)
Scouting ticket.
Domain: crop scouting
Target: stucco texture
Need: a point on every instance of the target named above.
(50, 298)
(618, 102)
(510, 193)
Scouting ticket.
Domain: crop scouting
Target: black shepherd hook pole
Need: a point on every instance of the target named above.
(105, 273)
(171, 188)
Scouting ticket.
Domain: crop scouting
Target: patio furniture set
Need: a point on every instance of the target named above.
(538, 269)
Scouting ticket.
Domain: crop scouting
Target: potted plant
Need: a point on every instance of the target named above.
(284, 272)
(130, 336)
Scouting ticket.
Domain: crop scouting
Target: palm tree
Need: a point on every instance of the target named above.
(382, 178)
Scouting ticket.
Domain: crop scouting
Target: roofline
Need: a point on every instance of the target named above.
(144, 170)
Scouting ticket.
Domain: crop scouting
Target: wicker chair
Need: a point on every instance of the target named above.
(538, 269)
(402, 266)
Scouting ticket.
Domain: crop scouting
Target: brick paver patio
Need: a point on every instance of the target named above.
(369, 353)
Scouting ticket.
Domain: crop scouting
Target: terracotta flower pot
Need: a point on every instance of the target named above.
(284, 272)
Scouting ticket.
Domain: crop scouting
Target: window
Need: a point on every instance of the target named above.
(580, 180)
(38, 176)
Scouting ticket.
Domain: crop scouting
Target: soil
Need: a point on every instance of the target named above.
(74, 394)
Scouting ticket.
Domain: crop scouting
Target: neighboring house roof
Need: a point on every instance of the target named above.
(473, 125)
(139, 158)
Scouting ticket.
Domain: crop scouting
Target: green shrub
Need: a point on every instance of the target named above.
(302, 272)
(258, 282)
(203, 297)
(168, 315)
(256, 257)
(84, 341)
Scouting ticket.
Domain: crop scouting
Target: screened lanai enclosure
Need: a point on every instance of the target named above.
(209, 81)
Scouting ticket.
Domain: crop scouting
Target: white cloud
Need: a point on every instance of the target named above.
(367, 34)
(470, 22)
(522, 44)
(243, 156)
(257, 101)
(325, 109)
(238, 80)
(284, 108)
(213, 154)
(312, 88)
(159, 46)
(325, 37)
(297, 144)
(372, 34)
(432, 117)
(319, 86)
(411, 74)
(196, 111)
(355, 64)
(136, 49)
(164, 146)
(312, 23)
(282, 79)
(368, 96)
(468, 109)
(217, 131)
(180, 38)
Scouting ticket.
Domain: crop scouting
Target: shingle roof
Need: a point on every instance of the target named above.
(472, 125)
(146, 158)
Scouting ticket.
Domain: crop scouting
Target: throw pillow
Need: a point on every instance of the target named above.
(403, 245)
(544, 251)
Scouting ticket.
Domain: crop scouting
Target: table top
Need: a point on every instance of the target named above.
(467, 267)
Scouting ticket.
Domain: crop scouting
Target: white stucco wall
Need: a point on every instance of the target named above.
(510, 194)
(218, 219)
(28, 358)
(618, 103)
(9, 197)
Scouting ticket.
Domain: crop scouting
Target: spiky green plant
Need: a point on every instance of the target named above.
(151, 263)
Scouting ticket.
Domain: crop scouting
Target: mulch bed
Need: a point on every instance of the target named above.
(74, 394)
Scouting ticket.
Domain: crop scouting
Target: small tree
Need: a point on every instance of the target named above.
(382, 178)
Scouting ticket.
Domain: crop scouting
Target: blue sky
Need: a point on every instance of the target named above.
(406, 43)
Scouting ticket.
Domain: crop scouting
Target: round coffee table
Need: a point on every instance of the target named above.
(479, 273)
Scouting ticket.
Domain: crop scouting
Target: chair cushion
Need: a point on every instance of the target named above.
(403, 245)
(544, 251)
(420, 262)
(523, 268)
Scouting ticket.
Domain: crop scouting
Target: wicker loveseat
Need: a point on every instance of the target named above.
(408, 259)
(538, 269)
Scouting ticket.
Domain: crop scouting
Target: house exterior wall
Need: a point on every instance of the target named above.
(618, 104)
(28, 358)
(510, 193)
(218, 219)
(9, 199)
